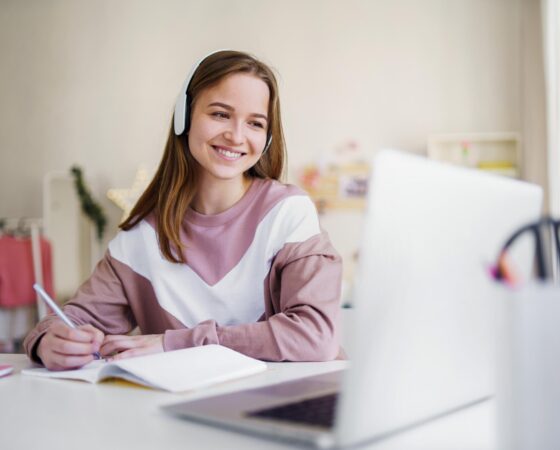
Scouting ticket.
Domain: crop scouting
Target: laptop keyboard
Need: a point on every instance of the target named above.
(318, 411)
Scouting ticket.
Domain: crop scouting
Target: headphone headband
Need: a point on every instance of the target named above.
(182, 103)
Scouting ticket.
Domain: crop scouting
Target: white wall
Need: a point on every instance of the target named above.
(533, 96)
(94, 82)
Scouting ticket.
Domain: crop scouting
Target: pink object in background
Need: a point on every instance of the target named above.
(5, 370)
(16, 271)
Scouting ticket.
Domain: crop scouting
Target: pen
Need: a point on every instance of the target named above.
(49, 301)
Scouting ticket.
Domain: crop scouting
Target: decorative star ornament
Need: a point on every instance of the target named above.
(127, 198)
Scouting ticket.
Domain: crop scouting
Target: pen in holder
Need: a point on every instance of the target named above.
(545, 230)
(528, 346)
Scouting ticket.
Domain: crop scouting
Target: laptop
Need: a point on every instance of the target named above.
(421, 341)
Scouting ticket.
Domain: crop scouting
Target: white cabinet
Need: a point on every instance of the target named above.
(493, 152)
(75, 250)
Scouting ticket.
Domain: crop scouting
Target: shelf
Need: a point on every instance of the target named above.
(493, 152)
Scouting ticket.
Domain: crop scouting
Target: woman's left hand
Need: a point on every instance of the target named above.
(127, 346)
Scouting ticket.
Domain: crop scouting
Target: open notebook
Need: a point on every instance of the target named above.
(175, 371)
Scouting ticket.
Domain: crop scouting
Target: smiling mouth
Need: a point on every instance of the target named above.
(228, 153)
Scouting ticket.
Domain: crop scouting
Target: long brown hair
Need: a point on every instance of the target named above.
(173, 188)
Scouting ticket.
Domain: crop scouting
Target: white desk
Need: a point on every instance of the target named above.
(44, 414)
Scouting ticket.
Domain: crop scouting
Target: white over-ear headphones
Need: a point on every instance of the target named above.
(182, 112)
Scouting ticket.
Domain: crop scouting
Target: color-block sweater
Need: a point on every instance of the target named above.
(260, 278)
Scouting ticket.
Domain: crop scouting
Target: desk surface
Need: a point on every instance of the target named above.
(50, 414)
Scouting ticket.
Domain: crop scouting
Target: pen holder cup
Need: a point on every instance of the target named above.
(528, 369)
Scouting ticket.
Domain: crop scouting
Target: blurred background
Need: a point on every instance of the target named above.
(93, 84)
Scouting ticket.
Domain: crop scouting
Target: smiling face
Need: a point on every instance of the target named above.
(228, 129)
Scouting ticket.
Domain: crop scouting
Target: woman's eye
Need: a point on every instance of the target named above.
(257, 124)
(220, 115)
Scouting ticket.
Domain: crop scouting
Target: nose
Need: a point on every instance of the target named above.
(234, 133)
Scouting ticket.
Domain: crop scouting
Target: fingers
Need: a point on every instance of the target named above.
(60, 354)
(84, 333)
(127, 346)
(119, 343)
(98, 335)
(148, 347)
(138, 351)
(63, 348)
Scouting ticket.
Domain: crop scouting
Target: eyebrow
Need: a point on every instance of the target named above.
(231, 108)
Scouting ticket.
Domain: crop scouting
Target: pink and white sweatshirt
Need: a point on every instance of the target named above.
(260, 278)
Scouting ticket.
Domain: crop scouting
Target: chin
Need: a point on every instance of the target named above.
(227, 176)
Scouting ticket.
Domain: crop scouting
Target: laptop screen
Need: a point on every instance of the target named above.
(422, 340)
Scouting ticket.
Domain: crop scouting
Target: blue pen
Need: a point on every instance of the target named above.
(49, 301)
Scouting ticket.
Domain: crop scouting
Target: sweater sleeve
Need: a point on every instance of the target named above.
(100, 301)
(302, 304)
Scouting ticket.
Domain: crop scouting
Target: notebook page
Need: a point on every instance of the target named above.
(89, 373)
(187, 369)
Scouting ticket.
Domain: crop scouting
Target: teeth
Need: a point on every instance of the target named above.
(228, 153)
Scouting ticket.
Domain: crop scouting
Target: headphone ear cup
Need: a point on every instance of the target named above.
(182, 106)
(187, 117)
(181, 110)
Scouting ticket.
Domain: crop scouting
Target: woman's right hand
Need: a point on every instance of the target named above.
(63, 348)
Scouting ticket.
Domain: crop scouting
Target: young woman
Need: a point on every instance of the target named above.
(216, 251)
